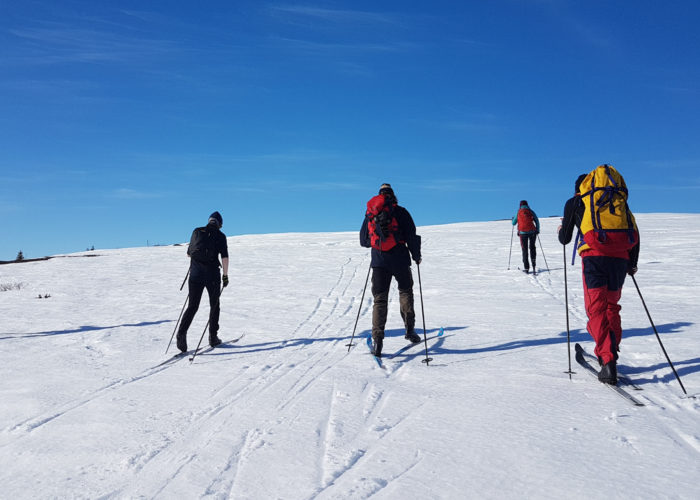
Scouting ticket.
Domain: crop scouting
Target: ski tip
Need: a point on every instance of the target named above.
(578, 347)
(441, 332)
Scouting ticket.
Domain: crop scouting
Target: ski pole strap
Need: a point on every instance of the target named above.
(576, 245)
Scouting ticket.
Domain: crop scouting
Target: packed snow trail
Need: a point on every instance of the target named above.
(288, 412)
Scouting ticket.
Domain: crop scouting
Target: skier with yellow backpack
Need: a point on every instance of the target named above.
(609, 250)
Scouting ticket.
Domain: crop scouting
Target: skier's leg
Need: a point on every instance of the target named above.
(381, 282)
(195, 290)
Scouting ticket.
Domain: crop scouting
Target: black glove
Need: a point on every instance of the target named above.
(631, 271)
(224, 279)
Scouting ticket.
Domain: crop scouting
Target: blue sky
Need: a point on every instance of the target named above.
(127, 123)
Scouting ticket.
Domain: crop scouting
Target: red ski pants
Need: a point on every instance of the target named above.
(603, 278)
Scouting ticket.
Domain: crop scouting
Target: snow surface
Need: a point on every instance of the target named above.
(287, 412)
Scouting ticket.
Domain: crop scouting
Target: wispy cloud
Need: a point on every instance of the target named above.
(324, 31)
(334, 15)
(54, 43)
(471, 126)
(48, 85)
(470, 123)
(319, 47)
(464, 185)
(133, 194)
(590, 32)
(10, 208)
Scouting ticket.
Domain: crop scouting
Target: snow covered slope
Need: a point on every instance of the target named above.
(288, 412)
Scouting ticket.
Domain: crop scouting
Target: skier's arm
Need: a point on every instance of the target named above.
(223, 250)
(364, 235)
(634, 259)
(566, 230)
(191, 241)
(408, 231)
(224, 265)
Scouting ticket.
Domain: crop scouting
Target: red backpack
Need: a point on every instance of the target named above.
(526, 221)
(381, 222)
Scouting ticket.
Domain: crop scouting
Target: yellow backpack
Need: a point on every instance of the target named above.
(607, 218)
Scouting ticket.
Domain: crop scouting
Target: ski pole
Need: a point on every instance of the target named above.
(512, 230)
(427, 360)
(566, 303)
(185, 280)
(218, 300)
(181, 311)
(360, 309)
(177, 323)
(657, 336)
(543, 255)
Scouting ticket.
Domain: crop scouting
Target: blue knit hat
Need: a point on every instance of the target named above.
(216, 219)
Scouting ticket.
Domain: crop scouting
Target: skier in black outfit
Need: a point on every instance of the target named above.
(392, 259)
(206, 244)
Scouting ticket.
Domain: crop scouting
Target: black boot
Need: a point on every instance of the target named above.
(214, 341)
(377, 345)
(412, 336)
(182, 342)
(608, 373)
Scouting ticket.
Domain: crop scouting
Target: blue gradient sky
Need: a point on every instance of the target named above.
(128, 122)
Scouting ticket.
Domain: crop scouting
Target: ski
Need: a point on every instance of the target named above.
(624, 379)
(376, 358)
(581, 359)
(409, 346)
(203, 350)
(176, 357)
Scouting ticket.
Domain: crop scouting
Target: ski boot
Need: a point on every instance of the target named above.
(412, 336)
(376, 348)
(608, 373)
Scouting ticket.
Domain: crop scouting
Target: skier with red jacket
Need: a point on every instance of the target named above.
(391, 233)
(528, 229)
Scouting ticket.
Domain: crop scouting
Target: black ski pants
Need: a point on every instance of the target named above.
(196, 288)
(381, 283)
(527, 241)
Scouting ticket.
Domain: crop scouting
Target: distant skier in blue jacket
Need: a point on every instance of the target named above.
(528, 229)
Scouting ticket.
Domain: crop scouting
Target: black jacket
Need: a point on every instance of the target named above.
(573, 215)
(399, 255)
(209, 271)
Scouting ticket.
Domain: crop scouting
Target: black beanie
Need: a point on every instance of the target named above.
(386, 189)
(577, 186)
(216, 218)
(523, 202)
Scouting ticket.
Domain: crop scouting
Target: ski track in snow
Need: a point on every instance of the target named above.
(36, 422)
(310, 369)
(295, 399)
